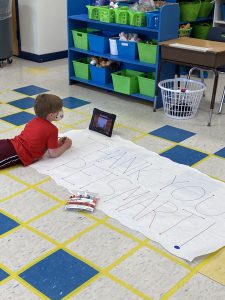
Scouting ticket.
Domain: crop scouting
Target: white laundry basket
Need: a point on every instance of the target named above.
(181, 97)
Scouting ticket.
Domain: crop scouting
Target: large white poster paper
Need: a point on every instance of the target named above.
(175, 205)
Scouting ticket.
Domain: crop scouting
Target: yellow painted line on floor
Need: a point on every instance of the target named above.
(35, 187)
(193, 148)
(42, 214)
(4, 281)
(49, 195)
(201, 161)
(185, 279)
(14, 177)
(132, 129)
(13, 275)
(31, 288)
(92, 217)
(79, 234)
(139, 137)
(85, 260)
(117, 125)
(128, 286)
(121, 231)
(161, 252)
(11, 217)
(18, 179)
(14, 195)
(125, 256)
(80, 112)
(169, 256)
(42, 235)
(82, 287)
(162, 138)
(37, 70)
(81, 121)
(35, 261)
(11, 231)
(168, 148)
(223, 158)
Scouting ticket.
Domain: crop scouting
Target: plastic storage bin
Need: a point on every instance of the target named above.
(182, 32)
(127, 49)
(147, 52)
(113, 45)
(201, 30)
(153, 19)
(93, 12)
(137, 18)
(189, 10)
(99, 42)
(80, 37)
(205, 8)
(81, 68)
(147, 84)
(122, 15)
(126, 81)
(106, 14)
(100, 75)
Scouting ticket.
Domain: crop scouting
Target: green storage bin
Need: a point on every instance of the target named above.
(106, 14)
(147, 84)
(205, 8)
(137, 18)
(126, 81)
(201, 30)
(147, 52)
(93, 12)
(122, 15)
(80, 37)
(189, 11)
(81, 68)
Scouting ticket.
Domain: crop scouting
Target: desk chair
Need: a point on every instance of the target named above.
(215, 34)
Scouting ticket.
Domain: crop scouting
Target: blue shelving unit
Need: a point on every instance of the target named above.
(168, 29)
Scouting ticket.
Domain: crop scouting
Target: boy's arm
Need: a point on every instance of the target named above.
(61, 149)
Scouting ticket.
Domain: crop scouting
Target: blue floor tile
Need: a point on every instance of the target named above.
(72, 102)
(221, 153)
(31, 90)
(6, 223)
(19, 118)
(23, 103)
(58, 274)
(3, 275)
(183, 155)
(172, 133)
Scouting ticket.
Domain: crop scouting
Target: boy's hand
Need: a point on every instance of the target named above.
(67, 142)
(61, 140)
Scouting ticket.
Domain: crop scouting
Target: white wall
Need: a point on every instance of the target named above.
(43, 26)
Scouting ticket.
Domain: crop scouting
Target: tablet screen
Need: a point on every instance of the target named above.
(102, 122)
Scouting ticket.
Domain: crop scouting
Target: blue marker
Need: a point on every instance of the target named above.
(177, 247)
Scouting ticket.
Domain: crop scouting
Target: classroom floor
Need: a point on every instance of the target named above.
(47, 254)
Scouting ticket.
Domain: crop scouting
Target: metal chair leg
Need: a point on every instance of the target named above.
(202, 79)
(222, 101)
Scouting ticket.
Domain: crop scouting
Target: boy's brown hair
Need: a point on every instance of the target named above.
(46, 104)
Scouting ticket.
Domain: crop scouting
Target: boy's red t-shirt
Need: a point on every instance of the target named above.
(32, 143)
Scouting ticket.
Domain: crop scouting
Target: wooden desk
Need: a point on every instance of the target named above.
(210, 56)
